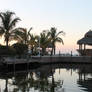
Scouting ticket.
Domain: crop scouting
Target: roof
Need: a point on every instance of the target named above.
(87, 39)
(88, 34)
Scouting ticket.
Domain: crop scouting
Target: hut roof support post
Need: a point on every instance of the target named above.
(84, 47)
(84, 52)
(79, 47)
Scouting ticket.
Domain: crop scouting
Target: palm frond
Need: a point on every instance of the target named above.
(17, 34)
(13, 22)
(58, 39)
(1, 31)
(15, 37)
(7, 19)
(30, 30)
(28, 33)
(61, 32)
(2, 17)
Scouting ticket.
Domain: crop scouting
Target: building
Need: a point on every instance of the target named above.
(86, 40)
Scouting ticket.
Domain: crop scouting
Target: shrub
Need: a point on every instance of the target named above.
(7, 50)
(20, 48)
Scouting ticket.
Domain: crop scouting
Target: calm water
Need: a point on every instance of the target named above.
(48, 78)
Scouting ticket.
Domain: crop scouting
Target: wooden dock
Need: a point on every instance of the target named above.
(49, 60)
(67, 59)
(18, 61)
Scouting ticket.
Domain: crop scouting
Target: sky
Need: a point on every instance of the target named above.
(74, 17)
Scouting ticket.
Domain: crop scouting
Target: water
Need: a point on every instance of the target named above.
(48, 78)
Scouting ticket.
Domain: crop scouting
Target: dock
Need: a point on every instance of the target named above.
(18, 61)
(15, 64)
(66, 59)
(49, 60)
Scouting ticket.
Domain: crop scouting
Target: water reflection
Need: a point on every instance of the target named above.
(49, 78)
(85, 81)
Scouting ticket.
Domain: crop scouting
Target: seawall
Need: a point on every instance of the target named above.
(51, 59)
(64, 59)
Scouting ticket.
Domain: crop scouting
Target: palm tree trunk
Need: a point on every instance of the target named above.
(53, 84)
(43, 51)
(7, 41)
(54, 50)
(32, 50)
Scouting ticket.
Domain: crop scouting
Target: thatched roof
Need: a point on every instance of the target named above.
(88, 34)
(87, 39)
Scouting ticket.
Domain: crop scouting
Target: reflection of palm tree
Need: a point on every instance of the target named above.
(8, 24)
(21, 82)
(24, 82)
(53, 84)
(45, 84)
(55, 38)
(27, 81)
(6, 85)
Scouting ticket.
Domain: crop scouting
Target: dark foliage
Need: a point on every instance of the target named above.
(20, 48)
(4, 50)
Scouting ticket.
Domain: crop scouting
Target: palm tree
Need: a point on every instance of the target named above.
(7, 27)
(24, 35)
(55, 38)
(32, 42)
(44, 41)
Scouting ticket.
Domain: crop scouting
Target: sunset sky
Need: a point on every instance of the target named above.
(74, 17)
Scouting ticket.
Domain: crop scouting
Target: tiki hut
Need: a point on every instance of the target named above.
(86, 40)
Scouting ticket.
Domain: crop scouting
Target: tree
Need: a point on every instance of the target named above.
(20, 48)
(24, 35)
(55, 38)
(44, 41)
(7, 27)
(33, 43)
(7, 50)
